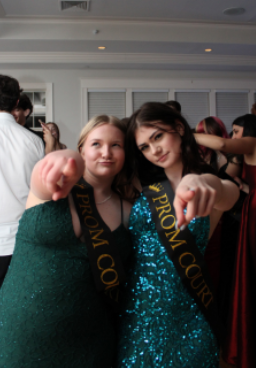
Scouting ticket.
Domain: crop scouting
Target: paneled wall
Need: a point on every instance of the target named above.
(68, 101)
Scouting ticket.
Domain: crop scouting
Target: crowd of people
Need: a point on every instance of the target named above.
(136, 251)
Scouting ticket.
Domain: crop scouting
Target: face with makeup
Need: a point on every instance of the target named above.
(237, 131)
(103, 151)
(161, 144)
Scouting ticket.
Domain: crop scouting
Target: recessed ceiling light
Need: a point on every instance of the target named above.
(234, 11)
(208, 50)
(101, 47)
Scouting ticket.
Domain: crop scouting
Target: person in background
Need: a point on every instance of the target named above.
(253, 109)
(213, 125)
(23, 111)
(241, 332)
(221, 249)
(52, 137)
(174, 105)
(20, 150)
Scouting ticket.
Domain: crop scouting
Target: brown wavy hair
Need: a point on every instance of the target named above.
(149, 115)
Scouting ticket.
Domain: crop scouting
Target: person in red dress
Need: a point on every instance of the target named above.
(241, 332)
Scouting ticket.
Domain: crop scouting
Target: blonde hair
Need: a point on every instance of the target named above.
(120, 183)
(97, 121)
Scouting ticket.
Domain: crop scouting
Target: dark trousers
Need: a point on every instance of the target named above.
(4, 264)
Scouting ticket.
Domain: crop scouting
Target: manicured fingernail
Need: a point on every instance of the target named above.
(183, 227)
(192, 189)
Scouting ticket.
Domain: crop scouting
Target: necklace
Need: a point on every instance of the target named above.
(105, 200)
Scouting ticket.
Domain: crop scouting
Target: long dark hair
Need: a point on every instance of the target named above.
(215, 126)
(149, 115)
(248, 122)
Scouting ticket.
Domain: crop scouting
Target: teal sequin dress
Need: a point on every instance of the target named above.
(161, 326)
(50, 312)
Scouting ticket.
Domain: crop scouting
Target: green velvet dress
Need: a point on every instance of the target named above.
(50, 312)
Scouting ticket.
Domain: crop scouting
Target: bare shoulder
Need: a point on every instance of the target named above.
(33, 200)
(127, 206)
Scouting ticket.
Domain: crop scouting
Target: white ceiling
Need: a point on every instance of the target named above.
(181, 10)
(137, 34)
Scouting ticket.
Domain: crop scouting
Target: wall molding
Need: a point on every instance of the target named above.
(126, 21)
(122, 58)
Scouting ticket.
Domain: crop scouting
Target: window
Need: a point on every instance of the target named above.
(39, 108)
(107, 103)
(139, 98)
(40, 95)
(230, 105)
(194, 106)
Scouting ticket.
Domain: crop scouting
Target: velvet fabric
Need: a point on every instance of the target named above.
(241, 334)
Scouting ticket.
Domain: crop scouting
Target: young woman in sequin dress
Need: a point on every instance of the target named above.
(161, 325)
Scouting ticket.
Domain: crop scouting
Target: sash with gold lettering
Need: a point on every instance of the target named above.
(105, 261)
(183, 252)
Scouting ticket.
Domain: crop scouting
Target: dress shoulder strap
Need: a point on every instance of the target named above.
(122, 210)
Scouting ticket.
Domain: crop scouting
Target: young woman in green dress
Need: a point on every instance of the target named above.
(51, 314)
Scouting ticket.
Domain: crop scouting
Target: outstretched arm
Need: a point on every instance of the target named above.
(50, 141)
(54, 176)
(245, 145)
(200, 194)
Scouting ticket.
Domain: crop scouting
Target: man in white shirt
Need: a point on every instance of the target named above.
(20, 150)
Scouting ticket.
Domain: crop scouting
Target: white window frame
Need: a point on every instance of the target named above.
(172, 85)
(42, 87)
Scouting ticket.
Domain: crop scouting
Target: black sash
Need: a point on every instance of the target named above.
(183, 252)
(106, 263)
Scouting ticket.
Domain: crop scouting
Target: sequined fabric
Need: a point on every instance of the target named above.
(161, 326)
(50, 312)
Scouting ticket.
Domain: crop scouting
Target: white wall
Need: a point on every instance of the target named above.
(67, 88)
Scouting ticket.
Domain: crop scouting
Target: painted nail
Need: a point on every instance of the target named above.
(176, 225)
(183, 227)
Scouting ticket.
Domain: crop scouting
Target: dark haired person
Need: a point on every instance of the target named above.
(221, 250)
(213, 125)
(174, 105)
(239, 349)
(22, 111)
(165, 321)
(19, 152)
(253, 109)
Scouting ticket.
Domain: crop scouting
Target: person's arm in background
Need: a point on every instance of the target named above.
(245, 145)
(50, 141)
